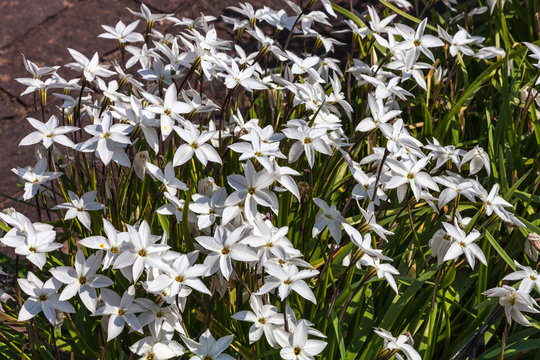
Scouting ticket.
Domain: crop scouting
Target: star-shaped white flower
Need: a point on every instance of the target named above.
(43, 297)
(48, 133)
(79, 207)
(82, 279)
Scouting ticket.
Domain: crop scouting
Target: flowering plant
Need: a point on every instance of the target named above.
(206, 198)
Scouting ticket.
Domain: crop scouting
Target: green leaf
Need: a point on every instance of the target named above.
(500, 250)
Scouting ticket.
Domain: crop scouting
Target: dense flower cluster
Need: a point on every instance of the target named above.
(173, 176)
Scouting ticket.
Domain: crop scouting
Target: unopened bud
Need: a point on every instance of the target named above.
(207, 186)
(534, 238)
(303, 188)
(109, 185)
(139, 163)
(9, 211)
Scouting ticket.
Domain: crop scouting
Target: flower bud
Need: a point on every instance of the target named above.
(303, 188)
(139, 163)
(532, 246)
(207, 186)
(534, 238)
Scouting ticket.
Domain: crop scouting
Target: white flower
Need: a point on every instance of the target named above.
(459, 42)
(224, 247)
(529, 278)
(48, 133)
(407, 63)
(169, 109)
(398, 137)
(299, 347)
(252, 189)
(43, 297)
(477, 157)
(121, 311)
(78, 207)
(288, 278)
(180, 275)
(122, 32)
(35, 177)
(142, 118)
(366, 186)
(176, 208)
(112, 244)
(399, 343)
(140, 251)
(283, 175)
(167, 177)
(514, 302)
(493, 202)
(269, 240)
(455, 185)
(489, 52)
(208, 208)
(463, 244)
(384, 270)
(379, 115)
(108, 140)
(376, 24)
(409, 172)
(243, 78)
(256, 148)
(329, 217)
(417, 40)
(364, 244)
(208, 348)
(34, 243)
(195, 145)
(90, 68)
(371, 222)
(148, 16)
(265, 319)
(308, 140)
(159, 345)
(82, 279)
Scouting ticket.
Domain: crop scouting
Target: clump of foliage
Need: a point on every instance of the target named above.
(352, 184)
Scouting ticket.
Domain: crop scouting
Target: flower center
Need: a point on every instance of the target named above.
(194, 145)
(410, 176)
(179, 278)
(167, 112)
(82, 280)
(42, 297)
(114, 249)
(225, 251)
(297, 351)
(251, 191)
(307, 140)
(417, 43)
(121, 312)
(262, 321)
(142, 253)
(287, 282)
(32, 249)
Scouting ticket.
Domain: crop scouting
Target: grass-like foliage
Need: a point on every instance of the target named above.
(334, 183)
